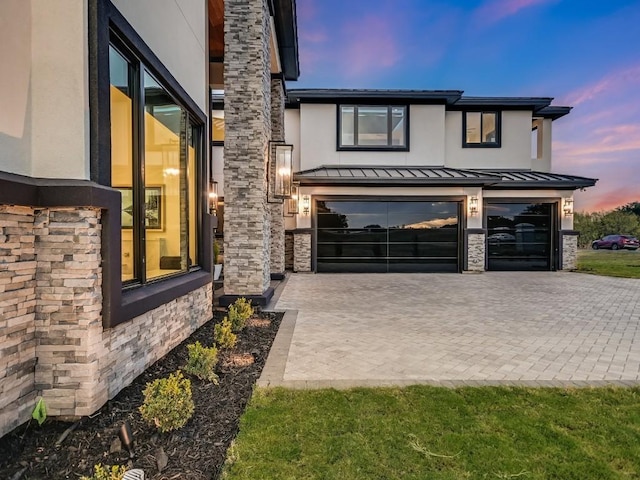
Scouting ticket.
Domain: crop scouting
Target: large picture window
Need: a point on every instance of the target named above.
(481, 129)
(372, 127)
(155, 144)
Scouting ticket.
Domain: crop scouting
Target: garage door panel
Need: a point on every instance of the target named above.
(519, 236)
(435, 249)
(423, 235)
(398, 236)
(376, 250)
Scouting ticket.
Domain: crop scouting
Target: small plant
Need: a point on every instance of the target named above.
(202, 361)
(106, 473)
(239, 313)
(223, 334)
(167, 402)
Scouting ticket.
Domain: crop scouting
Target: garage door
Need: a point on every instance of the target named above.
(519, 236)
(387, 236)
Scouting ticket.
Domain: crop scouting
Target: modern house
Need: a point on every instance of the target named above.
(427, 181)
(105, 183)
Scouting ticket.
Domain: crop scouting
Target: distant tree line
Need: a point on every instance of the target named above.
(624, 220)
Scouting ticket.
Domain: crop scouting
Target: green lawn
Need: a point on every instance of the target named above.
(621, 263)
(437, 433)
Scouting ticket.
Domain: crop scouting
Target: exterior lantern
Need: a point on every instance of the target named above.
(306, 204)
(473, 206)
(567, 208)
(282, 170)
(292, 205)
(213, 198)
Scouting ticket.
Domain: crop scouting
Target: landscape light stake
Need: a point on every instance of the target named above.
(126, 437)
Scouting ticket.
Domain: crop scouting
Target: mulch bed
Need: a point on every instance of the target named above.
(196, 451)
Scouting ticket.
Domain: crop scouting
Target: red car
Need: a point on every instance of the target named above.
(616, 242)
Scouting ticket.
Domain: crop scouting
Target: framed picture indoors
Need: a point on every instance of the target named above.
(153, 207)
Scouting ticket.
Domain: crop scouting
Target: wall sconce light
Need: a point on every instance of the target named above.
(567, 208)
(213, 198)
(281, 170)
(292, 204)
(473, 205)
(306, 204)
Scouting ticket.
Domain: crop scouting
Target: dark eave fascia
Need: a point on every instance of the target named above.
(553, 112)
(503, 103)
(329, 95)
(284, 13)
(556, 184)
(384, 182)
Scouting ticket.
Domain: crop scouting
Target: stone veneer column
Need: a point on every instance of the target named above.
(68, 322)
(475, 252)
(277, 209)
(302, 252)
(247, 110)
(569, 251)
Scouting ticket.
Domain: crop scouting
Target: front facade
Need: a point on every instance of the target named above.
(427, 181)
(105, 180)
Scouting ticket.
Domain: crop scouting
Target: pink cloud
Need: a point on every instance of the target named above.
(493, 11)
(369, 45)
(306, 10)
(615, 81)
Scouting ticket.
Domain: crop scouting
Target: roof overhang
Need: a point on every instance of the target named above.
(553, 112)
(374, 175)
(331, 95)
(503, 103)
(286, 32)
(357, 175)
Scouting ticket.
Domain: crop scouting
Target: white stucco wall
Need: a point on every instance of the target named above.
(217, 167)
(318, 137)
(44, 98)
(515, 150)
(175, 30)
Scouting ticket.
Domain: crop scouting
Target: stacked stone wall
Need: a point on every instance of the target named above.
(277, 209)
(52, 342)
(288, 251)
(569, 252)
(247, 134)
(301, 252)
(475, 252)
(17, 316)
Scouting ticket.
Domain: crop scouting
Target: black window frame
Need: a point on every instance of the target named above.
(495, 144)
(119, 304)
(372, 148)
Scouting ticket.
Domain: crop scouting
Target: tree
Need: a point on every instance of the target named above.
(632, 207)
(596, 225)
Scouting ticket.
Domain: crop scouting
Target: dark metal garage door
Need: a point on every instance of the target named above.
(520, 236)
(387, 236)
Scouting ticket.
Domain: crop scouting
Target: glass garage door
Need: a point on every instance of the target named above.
(519, 236)
(394, 236)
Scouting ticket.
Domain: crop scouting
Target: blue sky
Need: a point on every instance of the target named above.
(585, 54)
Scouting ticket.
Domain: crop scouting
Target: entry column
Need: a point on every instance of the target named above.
(247, 110)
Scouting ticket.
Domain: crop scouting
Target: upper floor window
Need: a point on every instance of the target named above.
(481, 129)
(383, 127)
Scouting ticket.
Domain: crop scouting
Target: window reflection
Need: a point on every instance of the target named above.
(355, 236)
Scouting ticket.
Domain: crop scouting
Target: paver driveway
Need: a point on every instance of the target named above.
(541, 328)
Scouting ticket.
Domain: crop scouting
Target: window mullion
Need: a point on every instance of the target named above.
(389, 125)
(138, 177)
(356, 141)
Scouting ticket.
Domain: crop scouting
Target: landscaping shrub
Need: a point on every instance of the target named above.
(106, 473)
(223, 334)
(167, 402)
(239, 312)
(202, 361)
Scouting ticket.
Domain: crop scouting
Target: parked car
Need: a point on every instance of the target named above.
(501, 237)
(616, 242)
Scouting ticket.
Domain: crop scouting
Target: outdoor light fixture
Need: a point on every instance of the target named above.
(213, 198)
(280, 170)
(292, 205)
(473, 205)
(306, 204)
(126, 438)
(567, 208)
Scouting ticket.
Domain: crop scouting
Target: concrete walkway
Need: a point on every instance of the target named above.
(546, 328)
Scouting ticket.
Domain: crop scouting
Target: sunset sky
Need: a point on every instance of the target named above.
(584, 53)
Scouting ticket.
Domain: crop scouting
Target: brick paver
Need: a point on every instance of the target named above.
(542, 328)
